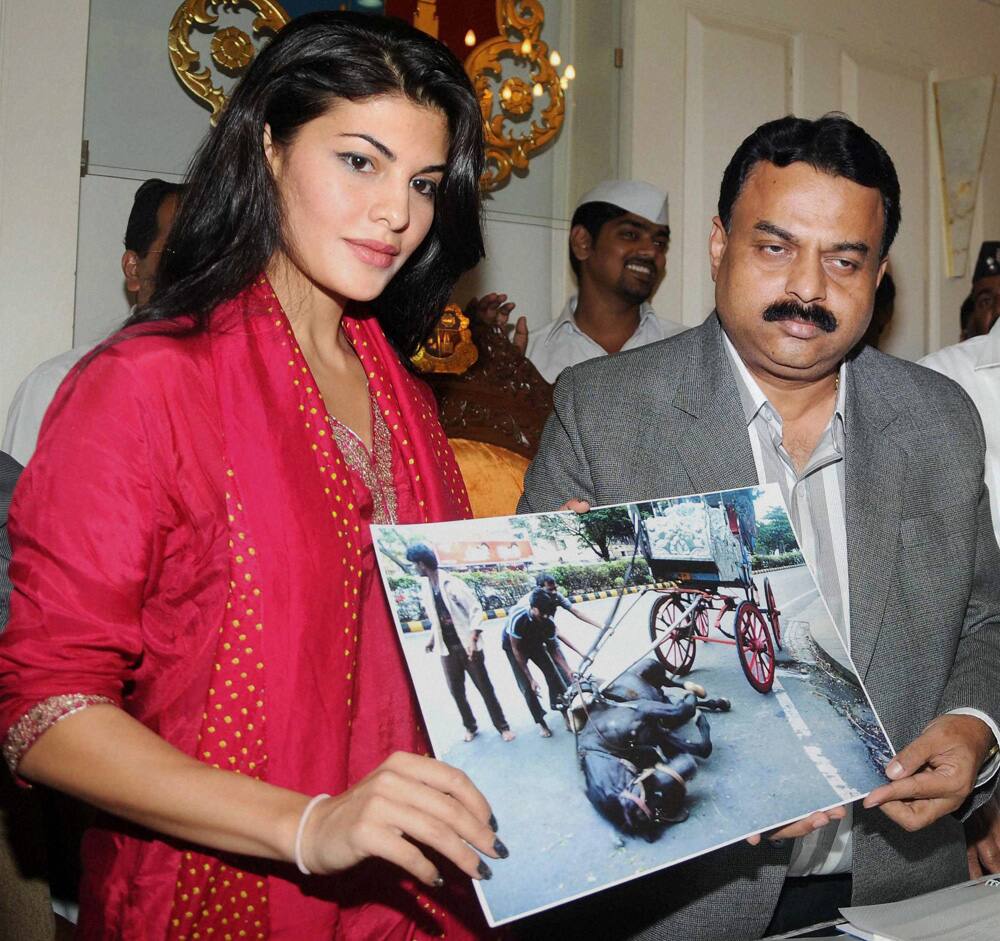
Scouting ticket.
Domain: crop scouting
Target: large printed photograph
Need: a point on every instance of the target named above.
(629, 687)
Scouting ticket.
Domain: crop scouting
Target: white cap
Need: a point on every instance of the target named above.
(635, 196)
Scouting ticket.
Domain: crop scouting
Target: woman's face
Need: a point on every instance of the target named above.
(357, 187)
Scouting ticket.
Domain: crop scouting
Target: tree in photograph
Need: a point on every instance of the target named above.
(775, 534)
(595, 529)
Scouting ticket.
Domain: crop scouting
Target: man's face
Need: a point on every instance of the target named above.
(985, 305)
(140, 272)
(628, 257)
(795, 276)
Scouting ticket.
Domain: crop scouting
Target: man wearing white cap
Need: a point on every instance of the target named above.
(618, 250)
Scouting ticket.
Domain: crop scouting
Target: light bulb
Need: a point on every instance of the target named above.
(506, 93)
(564, 83)
(570, 72)
(526, 47)
(555, 58)
(470, 38)
(537, 90)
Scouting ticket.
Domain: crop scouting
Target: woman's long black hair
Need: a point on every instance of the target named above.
(229, 224)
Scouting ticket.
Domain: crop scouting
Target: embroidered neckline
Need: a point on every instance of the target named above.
(375, 466)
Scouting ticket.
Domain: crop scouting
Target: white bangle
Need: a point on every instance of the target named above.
(302, 828)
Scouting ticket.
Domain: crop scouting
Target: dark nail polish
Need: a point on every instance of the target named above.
(493, 823)
(500, 849)
(439, 882)
(484, 871)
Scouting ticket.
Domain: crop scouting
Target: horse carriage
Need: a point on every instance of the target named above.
(703, 545)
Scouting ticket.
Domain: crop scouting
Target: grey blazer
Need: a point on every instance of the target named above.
(10, 470)
(924, 573)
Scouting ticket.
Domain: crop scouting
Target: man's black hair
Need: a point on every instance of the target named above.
(142, 227)
(545, 603)
(421, 552)
(833, 144)
(543, 578)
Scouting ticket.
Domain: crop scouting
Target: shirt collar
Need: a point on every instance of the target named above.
(752, 396)
(567, 318)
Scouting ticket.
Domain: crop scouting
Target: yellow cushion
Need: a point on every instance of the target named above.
(494, 476)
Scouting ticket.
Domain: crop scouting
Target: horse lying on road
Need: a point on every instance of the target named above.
(637, 747)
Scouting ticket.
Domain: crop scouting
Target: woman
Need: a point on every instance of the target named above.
(199, 644)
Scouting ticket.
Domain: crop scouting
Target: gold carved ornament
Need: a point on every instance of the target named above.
(450, 348)
(514, 97)
(232, 49)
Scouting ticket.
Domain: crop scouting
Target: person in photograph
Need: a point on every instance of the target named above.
(881, 464)
(530, 636)
(547, 582)
(199, 644)
(456, 618)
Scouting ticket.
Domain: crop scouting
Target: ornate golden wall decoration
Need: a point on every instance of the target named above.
(508, 103)
(232, 49)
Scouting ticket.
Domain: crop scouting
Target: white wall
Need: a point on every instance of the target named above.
(701, 74)
(42, 62)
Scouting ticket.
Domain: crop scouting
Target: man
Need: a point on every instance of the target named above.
(149, 222)
(547, 582)
(530, 635)
(618, 251)
(881, 465)
(981, 308)
(456, 627)
(975, 366)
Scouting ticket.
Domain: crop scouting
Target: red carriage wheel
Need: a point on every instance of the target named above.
(754, 647)
(677, 652)
(773, 614)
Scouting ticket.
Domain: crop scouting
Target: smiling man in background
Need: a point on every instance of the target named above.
(618, 251)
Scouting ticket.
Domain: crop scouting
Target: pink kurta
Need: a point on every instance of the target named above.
(168, 470)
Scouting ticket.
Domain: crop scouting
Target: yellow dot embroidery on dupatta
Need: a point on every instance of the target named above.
(227, 701)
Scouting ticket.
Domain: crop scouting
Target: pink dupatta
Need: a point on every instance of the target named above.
(279, 707)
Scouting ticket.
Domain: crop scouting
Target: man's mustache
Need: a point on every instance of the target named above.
(789, 310)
